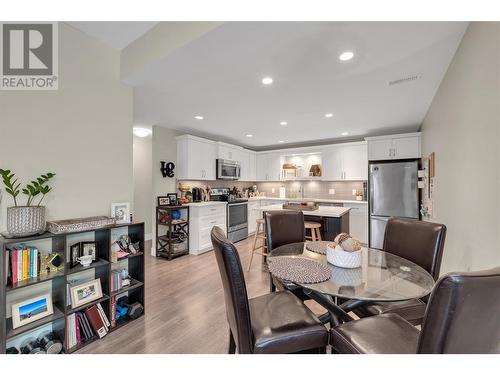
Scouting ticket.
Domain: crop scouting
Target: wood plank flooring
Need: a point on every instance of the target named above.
(185, 311)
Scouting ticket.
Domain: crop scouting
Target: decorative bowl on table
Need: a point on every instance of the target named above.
(345, 252)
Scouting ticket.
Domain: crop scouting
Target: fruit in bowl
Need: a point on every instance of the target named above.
(344, 252)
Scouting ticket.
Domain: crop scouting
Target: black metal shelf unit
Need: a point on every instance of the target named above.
(172, 235)
(56, 282)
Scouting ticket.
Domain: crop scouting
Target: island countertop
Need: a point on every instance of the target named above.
(325, 211)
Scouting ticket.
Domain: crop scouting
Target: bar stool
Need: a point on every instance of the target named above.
(262, 235)
(315, 229)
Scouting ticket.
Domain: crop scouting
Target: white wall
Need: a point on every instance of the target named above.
(164, 149)
(82, 132)
(143, 181)
(462, 128)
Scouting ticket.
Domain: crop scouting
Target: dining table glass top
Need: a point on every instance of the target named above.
(382, 277)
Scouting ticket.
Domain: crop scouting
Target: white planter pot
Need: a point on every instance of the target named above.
(341, 258)
(25, 221)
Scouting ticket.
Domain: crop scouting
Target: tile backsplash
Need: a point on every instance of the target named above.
(312, 189)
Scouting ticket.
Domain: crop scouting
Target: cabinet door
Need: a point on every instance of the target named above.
(244, 159)
(274, 167)
(355, 162)
(194, 159)
(332, 163)
(207, 154)
(261, 163)
(252, 166)
(380, 149)
(358, 222)
(406, 147)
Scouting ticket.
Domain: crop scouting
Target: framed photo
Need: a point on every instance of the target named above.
(89, 248)
(121, 211)
(163, 201)
(173, 199)
(74, 252)
(85, 293)
(31, 310)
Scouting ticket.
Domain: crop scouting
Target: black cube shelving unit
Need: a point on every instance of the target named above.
(57, 282)
(168, 245)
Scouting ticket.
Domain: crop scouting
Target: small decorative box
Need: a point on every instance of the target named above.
(79, 225)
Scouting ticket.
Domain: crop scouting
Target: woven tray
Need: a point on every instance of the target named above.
(79, 225)
(317, 246)
(299, 270)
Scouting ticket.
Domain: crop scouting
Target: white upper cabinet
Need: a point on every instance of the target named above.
(268, 166)
(398, 146)
(229, 152)
(346, 161)
(248, 168)
(195, 158)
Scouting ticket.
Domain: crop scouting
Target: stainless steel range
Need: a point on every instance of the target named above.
(236, 211)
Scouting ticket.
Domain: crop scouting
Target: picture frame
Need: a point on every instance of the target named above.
(89, 248)
(173, 198)
(163, 200)
(121, 212)
(30, 310)
(74, 252)
(87, 292)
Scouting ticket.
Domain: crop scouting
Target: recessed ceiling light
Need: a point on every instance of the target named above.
(198, 117)
(283, 123)
(346, 56)
(281, 141)
(249, 135)
(142, 132)
(267, 80)
(345, 133)
(328, 115)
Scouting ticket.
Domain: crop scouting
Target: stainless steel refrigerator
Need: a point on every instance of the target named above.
(393, 192)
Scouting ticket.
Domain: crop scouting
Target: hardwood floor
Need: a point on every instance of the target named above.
(185, 311)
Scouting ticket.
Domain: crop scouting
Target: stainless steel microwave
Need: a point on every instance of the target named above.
(228, 169)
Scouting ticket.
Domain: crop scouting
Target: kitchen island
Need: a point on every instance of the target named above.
(333, 220)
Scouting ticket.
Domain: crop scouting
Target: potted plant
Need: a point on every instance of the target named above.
(29, 219)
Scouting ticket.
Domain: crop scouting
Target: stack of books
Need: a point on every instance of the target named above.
(24, 263)
(83, 326)
(116, 281)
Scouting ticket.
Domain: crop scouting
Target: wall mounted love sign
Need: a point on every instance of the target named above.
(167, 169)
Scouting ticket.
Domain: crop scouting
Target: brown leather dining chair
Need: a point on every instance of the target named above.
(282, 228)
(273, 323)
(422, 243)
(461, 318)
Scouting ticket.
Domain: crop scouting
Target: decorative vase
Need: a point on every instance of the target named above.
(25, 221)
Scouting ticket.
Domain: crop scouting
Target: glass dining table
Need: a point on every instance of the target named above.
(382, 277)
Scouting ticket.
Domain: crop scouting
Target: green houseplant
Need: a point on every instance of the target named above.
(29, 219)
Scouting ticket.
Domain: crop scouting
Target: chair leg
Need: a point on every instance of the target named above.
(232, 344)
(255, 237)
(318, 233)
(313, 234)
(272, 287)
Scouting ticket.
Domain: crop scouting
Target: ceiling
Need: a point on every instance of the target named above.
(218, 76)
(116, 34)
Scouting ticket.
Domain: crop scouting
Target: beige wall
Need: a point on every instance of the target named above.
(143, 181)
(462, 128)
(164, 149)
(82, 132)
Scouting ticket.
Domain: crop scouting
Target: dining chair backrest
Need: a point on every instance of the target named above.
(462, 316)
(421, 242)
(284, 227)
(235, 291)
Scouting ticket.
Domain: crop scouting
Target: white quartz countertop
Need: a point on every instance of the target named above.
(203, 204)
(317, 200)
(326, 211)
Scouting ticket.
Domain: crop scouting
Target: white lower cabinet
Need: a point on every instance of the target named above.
(202, 218)
(253, 214)
(358, 221)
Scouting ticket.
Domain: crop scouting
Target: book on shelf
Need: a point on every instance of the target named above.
(24, 263)
(113, 312)
(95, 320)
